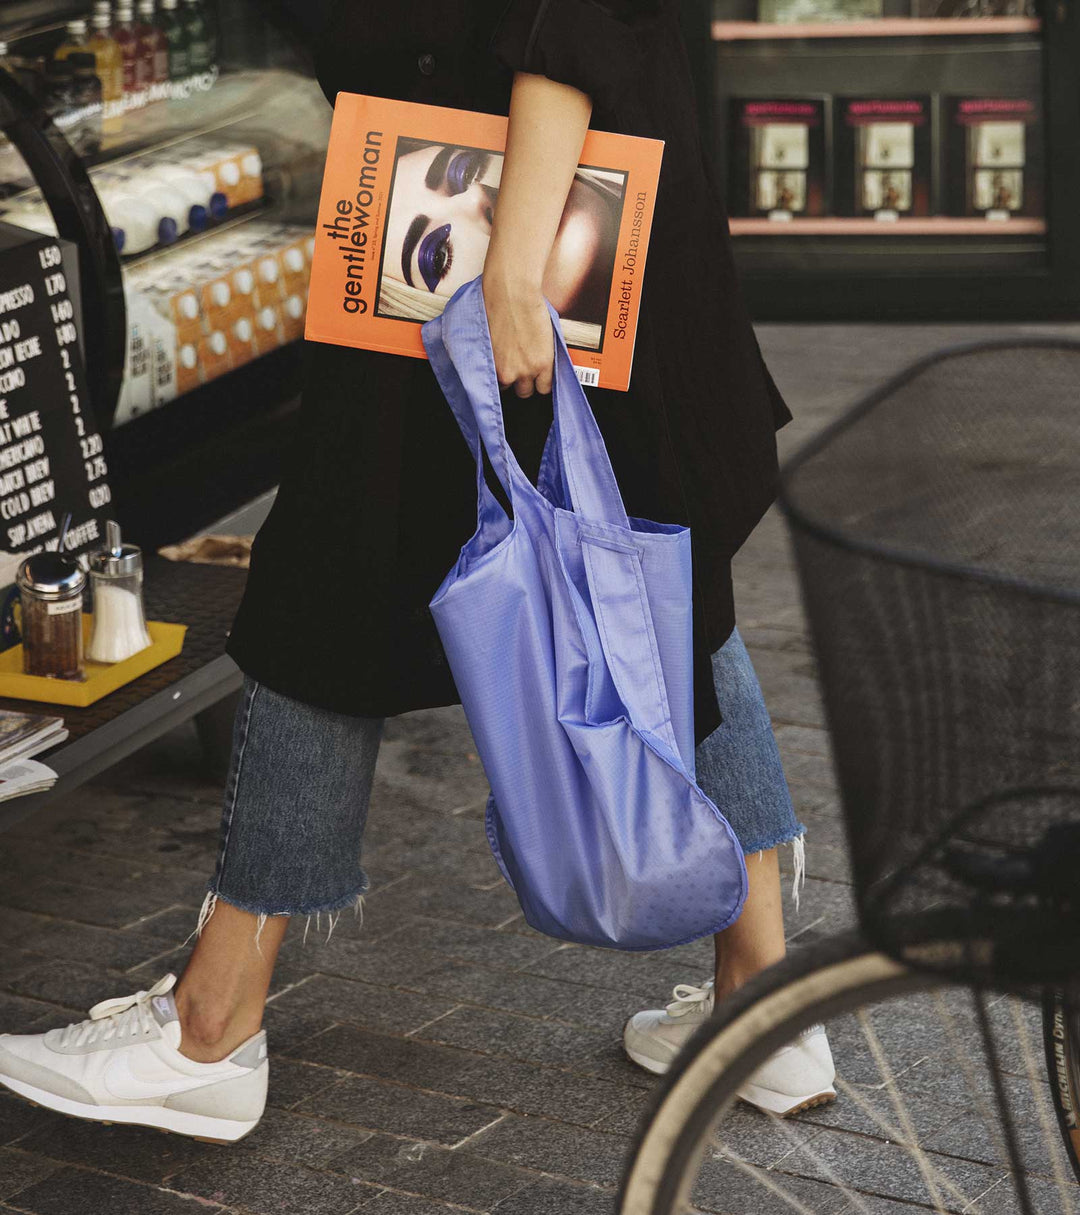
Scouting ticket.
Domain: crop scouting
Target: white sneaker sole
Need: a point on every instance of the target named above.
(783, 1105)
(197, 1126)
(650, 1065)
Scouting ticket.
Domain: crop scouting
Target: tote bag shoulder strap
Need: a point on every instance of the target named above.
(458, 343)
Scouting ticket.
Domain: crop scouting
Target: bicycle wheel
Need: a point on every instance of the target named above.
(1061, 1035)
(891, 1145)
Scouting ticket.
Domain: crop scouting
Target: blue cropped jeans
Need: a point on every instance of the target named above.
(300, 777)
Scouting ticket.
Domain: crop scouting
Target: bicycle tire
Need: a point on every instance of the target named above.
(1061, 1036)
(839, 976)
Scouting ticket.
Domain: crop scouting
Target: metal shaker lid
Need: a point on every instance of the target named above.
(50, 575)
(116, 559)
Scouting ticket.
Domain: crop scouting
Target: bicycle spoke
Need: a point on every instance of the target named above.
(929, 1174)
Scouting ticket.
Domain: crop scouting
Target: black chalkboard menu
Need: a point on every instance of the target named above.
(52, 458)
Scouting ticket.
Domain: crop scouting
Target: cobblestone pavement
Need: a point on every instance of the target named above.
(439, 1056)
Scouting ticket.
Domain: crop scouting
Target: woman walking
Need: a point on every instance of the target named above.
(692, 441)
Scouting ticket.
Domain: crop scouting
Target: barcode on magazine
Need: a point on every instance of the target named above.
(588, 376)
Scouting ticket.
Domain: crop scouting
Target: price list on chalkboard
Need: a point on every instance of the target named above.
(52, 458)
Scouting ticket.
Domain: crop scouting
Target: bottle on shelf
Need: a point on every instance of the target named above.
(170, 209)
(199, 39)
(153, 48)
(198, 191)
(74, 40)
(125, 37)
(136, 223)
(175, 32)
(110, 69)
(88, 102)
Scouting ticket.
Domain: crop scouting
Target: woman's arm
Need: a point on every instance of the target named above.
(548, 122)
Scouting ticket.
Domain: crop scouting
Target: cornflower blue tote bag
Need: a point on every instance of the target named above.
(568, 629)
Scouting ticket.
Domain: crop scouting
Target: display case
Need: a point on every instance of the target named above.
(899, 158)
(178, 145)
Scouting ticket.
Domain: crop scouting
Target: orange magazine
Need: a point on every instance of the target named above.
(405, 217)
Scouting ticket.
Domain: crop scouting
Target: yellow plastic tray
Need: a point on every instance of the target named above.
(101, 677)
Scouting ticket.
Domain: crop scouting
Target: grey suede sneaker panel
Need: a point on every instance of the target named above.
(16, 1068)
(163, 1009)
(252, 1053)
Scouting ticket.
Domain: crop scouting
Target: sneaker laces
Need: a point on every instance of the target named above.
(122, 1016)
(689, 998)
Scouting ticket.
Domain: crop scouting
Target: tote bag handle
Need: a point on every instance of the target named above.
(458, 344)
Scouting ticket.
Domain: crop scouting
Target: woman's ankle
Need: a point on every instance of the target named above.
(212, 1029)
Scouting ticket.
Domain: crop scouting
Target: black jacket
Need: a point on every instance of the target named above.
(381, 494)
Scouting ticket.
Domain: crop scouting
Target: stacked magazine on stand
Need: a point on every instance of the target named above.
(21, 736)
(408, 198)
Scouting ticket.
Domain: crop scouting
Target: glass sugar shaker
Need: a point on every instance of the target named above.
(51, 588)
(116, 578)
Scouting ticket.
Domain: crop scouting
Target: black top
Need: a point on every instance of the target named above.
(380, 495)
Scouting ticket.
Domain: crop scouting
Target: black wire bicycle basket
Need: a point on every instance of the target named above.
(936, 530)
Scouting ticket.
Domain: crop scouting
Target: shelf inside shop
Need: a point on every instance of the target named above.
(262, 209)
(882, 27)
(266, 99)
(941, 225)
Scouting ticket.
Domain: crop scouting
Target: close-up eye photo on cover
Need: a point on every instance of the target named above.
(539, 607)
(441, 208)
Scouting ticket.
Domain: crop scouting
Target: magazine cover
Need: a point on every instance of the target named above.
(778, 157)
(405, 216)
(994, 157)
(883, 157)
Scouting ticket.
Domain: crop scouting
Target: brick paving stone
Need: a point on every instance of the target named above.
(18, 1118)
(553, 1147)
(71, 1191)
(397, 959)
(887, 1169)
(73, 984)
(514, 1037)
(431, 1171)
(546, 1091)
(375, 1105)
(16, 962)
(391, 1203)
(507, 950)
(558, 1198)
(363, 1004)
(65, 939)
(292, 1080)
(388, 1058)
(727, 1189)
(508, 991)
(287, 1031)
(266, 1187)
(443, 898)
(173, 925)
(19, 1169)
(301, 1139)
(137, 1152)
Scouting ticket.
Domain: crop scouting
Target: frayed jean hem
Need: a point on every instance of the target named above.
(797, 840)
(331, 909)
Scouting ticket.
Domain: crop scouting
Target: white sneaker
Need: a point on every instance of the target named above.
(796, 1078)
(124, 1065)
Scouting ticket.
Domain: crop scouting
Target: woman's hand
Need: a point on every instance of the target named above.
(522, 339)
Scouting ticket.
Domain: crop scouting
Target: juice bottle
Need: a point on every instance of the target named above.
(174, 31)
(110, 69)
(127, 40)
(198, 37)
(292, 317)
(74, 40)
(153, 48)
